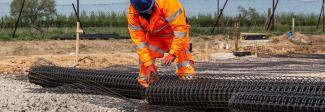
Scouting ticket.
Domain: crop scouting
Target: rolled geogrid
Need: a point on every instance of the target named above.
(212, 94)
(205, 92)
(121, 83)
(277, 102)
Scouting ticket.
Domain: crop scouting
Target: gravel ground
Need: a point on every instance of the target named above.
(19, 95)
(305, 65)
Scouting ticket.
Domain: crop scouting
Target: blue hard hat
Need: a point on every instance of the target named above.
(143, 6)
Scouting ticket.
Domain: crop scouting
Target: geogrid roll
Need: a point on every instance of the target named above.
(208, 93)
(277, 102)
(121, 83)
(211, 94)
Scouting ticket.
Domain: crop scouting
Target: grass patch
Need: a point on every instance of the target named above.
(122, 32)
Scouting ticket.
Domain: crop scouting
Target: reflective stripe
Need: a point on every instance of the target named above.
(174, 16)
(159, 29)
(157, 49)
(168, 20)
(151, 47)
(141, 45)
(164, 19)
(135, 27)
(183, 64)
(180, 34)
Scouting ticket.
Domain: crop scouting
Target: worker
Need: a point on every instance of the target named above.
(159, 27)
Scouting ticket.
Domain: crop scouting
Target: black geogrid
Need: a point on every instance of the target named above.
(237, 93)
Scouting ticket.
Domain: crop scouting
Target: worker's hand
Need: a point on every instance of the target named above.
(168, 60)
(152, 69)
(149, 76)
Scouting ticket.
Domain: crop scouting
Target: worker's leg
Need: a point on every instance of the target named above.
(184, 61)
(185, 65)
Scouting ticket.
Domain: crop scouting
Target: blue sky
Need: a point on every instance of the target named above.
(193, 7)
(67, 2)
(112, 1)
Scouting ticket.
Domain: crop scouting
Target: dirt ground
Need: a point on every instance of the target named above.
(282, 45)
(18, 56)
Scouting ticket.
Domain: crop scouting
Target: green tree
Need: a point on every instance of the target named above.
(35, 11)
(250, 16)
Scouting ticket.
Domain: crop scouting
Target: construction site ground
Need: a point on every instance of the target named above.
(303, 55)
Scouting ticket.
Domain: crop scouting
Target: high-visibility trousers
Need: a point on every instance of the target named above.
(184, 61)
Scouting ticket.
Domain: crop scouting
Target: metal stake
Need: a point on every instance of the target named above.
(17, 22)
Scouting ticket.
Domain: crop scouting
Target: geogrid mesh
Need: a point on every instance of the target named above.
(277, 102)
(213, 94)
(208, 91)
(121, 83)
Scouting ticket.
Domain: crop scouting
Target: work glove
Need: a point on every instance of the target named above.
(152, 69)
(168, 60)
(149, 76)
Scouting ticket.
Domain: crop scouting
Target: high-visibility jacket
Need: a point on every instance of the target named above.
(168, 19)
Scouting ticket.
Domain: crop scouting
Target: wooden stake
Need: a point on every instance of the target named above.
(78, 31)
(293, 25)
(207, 50)
(237, 26)
(256, 48)
(237, 36)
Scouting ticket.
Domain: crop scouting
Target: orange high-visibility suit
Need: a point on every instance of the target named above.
(166, 32)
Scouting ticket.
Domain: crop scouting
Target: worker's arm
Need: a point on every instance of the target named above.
(138, 38)
(175, 15)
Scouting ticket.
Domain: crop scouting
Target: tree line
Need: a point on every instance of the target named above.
(42, 13)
